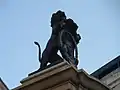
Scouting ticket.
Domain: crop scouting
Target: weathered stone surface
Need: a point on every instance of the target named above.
(62, 76)
(2, 85)
(112, 79)
(109, 74)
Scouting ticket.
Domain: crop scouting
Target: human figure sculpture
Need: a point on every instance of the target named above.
(64, 37)
(68, 41)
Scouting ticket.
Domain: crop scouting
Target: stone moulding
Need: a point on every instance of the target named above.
(62, 75)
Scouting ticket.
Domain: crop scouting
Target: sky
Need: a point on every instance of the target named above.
(24, 21)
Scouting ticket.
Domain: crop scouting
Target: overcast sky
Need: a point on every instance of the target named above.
(24, 21)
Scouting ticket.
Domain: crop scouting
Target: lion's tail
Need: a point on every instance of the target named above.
(39, 51)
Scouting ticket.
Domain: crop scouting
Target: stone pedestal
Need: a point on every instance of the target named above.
(62, 76)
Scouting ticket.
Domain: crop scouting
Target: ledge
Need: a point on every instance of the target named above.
(59, 74)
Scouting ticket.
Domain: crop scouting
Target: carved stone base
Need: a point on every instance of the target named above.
(62, 76)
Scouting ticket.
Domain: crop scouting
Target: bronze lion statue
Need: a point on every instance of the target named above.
(64, 38)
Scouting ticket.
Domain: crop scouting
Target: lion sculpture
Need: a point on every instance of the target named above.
(64, 38)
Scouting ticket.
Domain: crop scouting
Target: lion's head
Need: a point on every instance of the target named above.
(57, 17)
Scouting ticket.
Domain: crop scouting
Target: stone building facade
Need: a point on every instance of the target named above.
(62, 76)
(2, 85)
(110, 74)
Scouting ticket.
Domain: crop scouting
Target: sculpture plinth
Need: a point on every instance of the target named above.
(63, 76)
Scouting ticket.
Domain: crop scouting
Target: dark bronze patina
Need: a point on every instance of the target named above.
(64, 38)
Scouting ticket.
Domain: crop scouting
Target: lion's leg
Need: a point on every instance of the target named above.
(55, 59)
(43, 64)
(44, 59)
